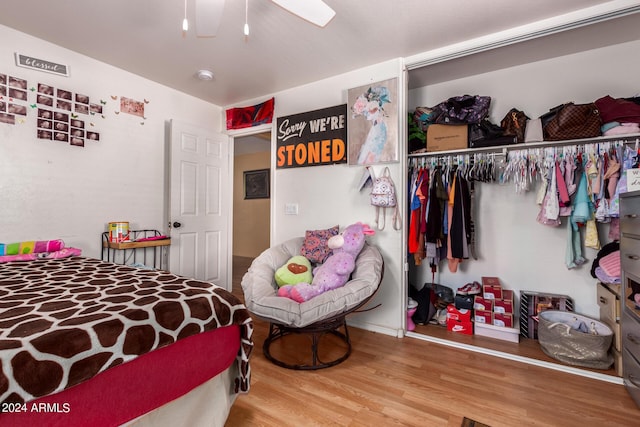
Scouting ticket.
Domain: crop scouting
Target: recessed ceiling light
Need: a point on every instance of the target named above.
(205, 75)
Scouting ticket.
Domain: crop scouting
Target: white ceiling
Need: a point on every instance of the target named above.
(282, 51)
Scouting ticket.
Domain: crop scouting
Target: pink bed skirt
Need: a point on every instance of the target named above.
(127, 391)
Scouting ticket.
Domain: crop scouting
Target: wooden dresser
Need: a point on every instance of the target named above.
(630, 263)
(610, 314)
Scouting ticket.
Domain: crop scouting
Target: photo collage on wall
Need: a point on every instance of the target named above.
(59, 115)
(13, 99)
(62, 115)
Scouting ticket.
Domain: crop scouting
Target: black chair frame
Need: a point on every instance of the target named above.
(316, 330)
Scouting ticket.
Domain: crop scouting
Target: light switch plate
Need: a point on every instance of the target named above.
(291, 209)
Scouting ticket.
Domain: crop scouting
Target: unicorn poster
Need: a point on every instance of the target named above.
(372, 123)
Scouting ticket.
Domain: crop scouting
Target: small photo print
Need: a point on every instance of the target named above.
(78, 142)
(45, 134)
(63, 117)
(61, 136)
(45, 89)
(45, 124)
(9, 119)
(44, 100)
(77, 133)
(19, 95)
(93, 136)
(3, 90)
(17, 83)
(131, 106)
(82, 108)
(77, 123)
(3, 79)
(82, 99)
(18, 109)
(3, 106)
(61, 126)
(44, 114)
(95, 108)
(63, 105)
(63, 94)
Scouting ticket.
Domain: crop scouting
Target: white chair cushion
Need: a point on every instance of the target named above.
(260, 289)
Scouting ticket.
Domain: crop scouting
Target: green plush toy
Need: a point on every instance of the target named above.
(296, 270)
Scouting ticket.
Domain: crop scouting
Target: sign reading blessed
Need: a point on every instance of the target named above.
(313, 138)
(41, 65)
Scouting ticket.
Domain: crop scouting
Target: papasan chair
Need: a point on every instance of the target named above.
(323, 315)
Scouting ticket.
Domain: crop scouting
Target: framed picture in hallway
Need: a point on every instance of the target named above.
(256, 184)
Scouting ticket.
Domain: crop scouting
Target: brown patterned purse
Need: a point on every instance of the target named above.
(574, 121)
(514, 124)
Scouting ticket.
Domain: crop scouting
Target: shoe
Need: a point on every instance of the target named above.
(475, 289)
(470, 289)
(442, 317)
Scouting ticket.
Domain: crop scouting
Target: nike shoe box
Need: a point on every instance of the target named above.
(459, 321)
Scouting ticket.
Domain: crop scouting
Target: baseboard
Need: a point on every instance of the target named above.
(374, 328)
(522, 359)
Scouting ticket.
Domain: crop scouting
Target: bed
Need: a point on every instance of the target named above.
(88, 342)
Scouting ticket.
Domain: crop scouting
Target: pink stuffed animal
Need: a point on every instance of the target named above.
(337, 269)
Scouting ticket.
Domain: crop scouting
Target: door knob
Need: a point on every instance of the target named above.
(176, 224)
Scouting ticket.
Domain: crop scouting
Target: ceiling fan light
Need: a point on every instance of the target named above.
(315, 11)
(205, 75)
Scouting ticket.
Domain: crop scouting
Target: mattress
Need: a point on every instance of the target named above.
(67, 324)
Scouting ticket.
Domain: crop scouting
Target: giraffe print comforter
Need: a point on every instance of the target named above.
(62, 321)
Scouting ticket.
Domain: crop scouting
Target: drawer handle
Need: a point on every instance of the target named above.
(632, 380)
(633, 338)
(633, 257)
(603, 300)
(631, 215)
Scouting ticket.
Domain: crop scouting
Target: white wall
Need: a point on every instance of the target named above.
(53, 190)
(327, 195)
(512, 245)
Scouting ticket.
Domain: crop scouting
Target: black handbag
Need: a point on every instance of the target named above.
(487, 134)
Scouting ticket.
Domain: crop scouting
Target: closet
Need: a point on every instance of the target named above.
(579, 65)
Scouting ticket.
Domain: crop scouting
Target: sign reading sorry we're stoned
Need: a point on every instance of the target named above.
(312, 138)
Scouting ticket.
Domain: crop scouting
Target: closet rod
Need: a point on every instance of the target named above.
(628, 139)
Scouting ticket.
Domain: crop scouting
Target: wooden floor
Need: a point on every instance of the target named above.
(409, 382)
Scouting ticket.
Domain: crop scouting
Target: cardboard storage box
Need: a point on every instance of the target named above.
(463, 315)
(457, 326)
(504, 320)
(484, 304)
(503, 306)
(491, 288)
(498, 332)
(447, 137)
(481, 316)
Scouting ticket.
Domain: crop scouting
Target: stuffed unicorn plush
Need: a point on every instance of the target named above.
(337, 269)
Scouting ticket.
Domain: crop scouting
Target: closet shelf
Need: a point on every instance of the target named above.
(503, 149)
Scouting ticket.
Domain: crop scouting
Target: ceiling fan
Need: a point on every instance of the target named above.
(209, 13)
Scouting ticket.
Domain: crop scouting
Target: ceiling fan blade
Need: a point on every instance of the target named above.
(208, 17)
(315, 11)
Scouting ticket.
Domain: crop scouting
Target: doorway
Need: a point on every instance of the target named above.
(251, 201)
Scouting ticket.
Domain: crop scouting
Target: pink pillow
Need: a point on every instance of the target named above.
(315, 247)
